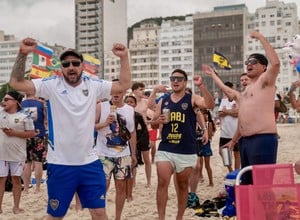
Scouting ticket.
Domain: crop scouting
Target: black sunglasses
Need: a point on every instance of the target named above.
(177, 78)
(66, 64)
(7, 99)
(251, 61)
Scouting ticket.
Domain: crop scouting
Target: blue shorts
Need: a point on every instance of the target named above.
(257, 149)
(205, 150)
(63, 181)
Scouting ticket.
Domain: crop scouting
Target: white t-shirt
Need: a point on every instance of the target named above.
(228, 123)
(108, 140)
(71, 118)
(14, 148)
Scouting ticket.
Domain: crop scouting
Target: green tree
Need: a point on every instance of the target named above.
(4, 89)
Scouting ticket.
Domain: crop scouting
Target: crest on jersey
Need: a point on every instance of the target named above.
(85, 92)
(184, 106)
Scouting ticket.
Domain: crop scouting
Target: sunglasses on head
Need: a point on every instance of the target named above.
(251, 61)
(66, 64)
(177, 78)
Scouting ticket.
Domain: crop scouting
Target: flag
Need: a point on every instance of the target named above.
(40, 60)
(42, 56)
(54, 64)
(221, 61)
(91, 65)
(37, 72)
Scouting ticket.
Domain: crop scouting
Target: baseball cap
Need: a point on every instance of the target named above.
(72, 52)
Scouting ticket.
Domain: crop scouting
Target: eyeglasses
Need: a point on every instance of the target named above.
(66, 64)
(251, 61)
(7, 99)
(177, 78)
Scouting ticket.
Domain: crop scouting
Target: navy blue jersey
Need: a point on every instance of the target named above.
(179, 134)
(36, 110)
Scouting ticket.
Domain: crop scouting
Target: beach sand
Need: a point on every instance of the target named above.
(143, 205)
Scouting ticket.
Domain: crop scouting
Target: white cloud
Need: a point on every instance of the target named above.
(52, 21)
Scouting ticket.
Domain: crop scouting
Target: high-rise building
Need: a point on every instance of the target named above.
(278, 21)
(9, 48)
(176, 48)
(144, 53)
(221, 30)
(99, 24)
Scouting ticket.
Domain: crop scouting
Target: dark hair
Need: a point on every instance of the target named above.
(243, 74)
(17, 96)
(130, 96)
(147, 93)
(229, 84)
(137, 85)
(182, 72)
(189, 90)
(260, 57)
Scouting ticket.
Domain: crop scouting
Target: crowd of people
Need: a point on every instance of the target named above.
(90, 130)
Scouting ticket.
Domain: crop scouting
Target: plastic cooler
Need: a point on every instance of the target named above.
(274, 195)
(229, 183)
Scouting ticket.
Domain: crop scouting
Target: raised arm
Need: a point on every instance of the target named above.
(17, 80)
(152, 97)
(209, 100)
(230, 93)
(274, 62)
(124, 82)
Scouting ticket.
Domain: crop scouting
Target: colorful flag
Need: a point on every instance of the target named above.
(40, 60)
(42, 55)
(91, 65)
(37, 72)
(221, 61)
(54, 64)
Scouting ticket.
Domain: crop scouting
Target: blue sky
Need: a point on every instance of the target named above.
(53, 21)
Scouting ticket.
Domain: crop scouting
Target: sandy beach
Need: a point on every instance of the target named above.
(143, 205)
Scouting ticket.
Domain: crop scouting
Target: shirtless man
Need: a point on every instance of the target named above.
(256, 132)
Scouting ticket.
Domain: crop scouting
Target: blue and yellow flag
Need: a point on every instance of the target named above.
(221, 61)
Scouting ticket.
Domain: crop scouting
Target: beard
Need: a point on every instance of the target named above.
(72, 78)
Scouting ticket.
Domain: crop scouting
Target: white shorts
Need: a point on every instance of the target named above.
(179, 161)
(15, 168)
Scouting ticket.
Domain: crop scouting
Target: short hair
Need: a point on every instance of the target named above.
(188, 90)
(130, 96)
(137, 85)
(243, 74)
(182, 72)
(260, 58)
(229, 84)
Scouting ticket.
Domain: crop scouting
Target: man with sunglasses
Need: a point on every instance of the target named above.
(177, 151)
(15, 126)
(257, 131)
(73, 164)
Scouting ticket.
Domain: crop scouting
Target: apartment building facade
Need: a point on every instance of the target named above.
(98, 25)
(222, 30)
(278, 21)
(144, 56)
(176, 49)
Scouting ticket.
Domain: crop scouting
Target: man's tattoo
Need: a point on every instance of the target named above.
(18, 69)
